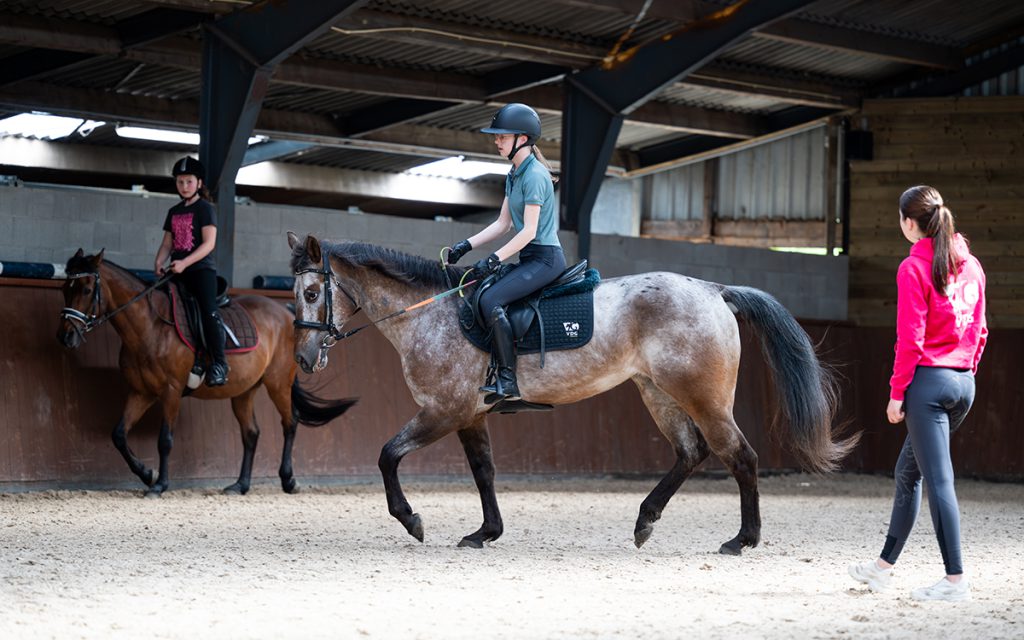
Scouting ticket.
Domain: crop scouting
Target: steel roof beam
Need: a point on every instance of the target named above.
(37, 62)
(598, 100)
(985, 69)
(157, 24)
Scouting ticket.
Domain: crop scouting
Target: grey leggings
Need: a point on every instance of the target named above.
(538, 266)
(936, 403)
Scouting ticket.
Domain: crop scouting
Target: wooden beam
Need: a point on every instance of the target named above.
(770, 83)
(863, 43)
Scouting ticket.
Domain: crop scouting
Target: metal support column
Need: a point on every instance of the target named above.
(240, 53)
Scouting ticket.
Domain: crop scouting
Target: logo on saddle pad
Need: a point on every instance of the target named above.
(572, 329)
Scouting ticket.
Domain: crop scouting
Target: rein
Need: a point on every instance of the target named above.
(334, 334)
(90, 321)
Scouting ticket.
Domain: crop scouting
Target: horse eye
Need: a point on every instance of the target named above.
(312, 295)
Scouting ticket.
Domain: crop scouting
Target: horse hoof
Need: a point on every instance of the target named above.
(235, 490)
(153, 493)
(415, 527)
(290, 486)
(149, 479)
(641, 535)
(471, 543)
(731, 548)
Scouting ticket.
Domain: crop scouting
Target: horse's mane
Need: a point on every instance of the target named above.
(80, 264)
(402, 267)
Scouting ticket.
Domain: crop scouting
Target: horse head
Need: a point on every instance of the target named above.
(319, 311)
(83, 298)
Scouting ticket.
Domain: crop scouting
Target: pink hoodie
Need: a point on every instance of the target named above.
(937, 330)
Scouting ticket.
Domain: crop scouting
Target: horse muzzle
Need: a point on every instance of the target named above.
(314, 364)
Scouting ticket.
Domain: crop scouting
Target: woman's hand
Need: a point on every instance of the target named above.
(177, 266)
(487, 266)
(895, 411)
(461, 248)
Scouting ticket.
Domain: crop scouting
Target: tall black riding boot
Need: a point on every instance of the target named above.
(217, 375)
(505, 385)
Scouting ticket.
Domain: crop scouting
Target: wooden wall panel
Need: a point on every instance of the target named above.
(972, 151)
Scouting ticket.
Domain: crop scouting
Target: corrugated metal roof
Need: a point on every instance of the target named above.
(708, 98)
(528, 30)
(837, 67)
(936, 21)
(342, 158)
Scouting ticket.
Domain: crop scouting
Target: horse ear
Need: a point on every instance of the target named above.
(98, 258)
(292, 239)
(313, 248)
(79, 253)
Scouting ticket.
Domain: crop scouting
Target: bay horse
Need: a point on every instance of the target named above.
(676, 337)
(156, 365)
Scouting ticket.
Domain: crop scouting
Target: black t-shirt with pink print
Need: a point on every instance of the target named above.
(185, 224)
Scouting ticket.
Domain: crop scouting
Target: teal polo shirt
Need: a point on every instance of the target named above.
(530, 183)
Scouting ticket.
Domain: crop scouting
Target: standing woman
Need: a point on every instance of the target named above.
(529, 208)
(940, 335)
(190, 236)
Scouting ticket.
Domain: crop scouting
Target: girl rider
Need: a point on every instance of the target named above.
(190, 236)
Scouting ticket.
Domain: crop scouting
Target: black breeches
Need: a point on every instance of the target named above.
(202, 284)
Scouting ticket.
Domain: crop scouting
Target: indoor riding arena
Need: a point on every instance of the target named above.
(704, 152)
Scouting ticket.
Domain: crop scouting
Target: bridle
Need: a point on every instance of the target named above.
(84, 322)
(333, 334)
(332, 331)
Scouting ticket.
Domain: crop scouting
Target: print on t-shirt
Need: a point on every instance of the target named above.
(181, 226)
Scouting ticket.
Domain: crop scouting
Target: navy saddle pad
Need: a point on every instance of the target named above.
(565, 312)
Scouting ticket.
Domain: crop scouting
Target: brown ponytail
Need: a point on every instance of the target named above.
(544, 161)
(924, 205)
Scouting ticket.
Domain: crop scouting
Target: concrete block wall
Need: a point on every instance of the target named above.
(48, 224)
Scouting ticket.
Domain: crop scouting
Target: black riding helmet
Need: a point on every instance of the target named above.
(516, 118)
(189, 166)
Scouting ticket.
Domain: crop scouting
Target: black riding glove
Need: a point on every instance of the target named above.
(487, 266)
(461, 248)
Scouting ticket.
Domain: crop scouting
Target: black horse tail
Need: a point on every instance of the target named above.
(807, 392)
(313, 411)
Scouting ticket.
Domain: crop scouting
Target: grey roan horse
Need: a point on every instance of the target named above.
(674, 336)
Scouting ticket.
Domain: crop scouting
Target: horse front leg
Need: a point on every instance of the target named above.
(425, 428)
(476, 442)
(134, 408)
(170, 403)
(242, 406)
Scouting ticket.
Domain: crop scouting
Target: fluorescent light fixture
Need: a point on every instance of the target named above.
(168, 135)
(45, 126)
(460, 168)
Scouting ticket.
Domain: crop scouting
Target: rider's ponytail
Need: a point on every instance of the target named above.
(544, 161)
(924, 205)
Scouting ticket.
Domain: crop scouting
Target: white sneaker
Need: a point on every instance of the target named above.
(872, 575)
(944, 590)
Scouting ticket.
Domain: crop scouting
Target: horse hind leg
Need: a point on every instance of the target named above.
(690, 447)
(242, 406)
(476, 442)
(728, 443)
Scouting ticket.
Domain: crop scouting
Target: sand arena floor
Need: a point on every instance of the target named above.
(331, 563)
